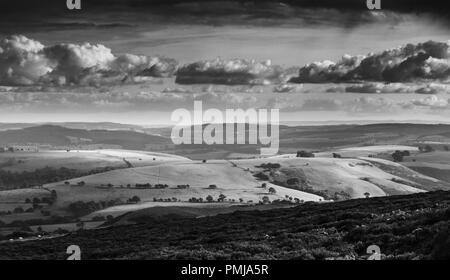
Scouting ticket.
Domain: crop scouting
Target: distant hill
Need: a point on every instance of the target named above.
(76, 125)
(57, 135)
(292, 138)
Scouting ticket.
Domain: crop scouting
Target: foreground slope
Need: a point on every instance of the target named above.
(404, 227)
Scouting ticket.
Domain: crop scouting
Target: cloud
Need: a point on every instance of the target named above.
(367, 104)
(409, 63)
(360, 105)
(231, 72)
(283, 88)
(24, 61)
(432, 102)
(226, 100)
(95, 100)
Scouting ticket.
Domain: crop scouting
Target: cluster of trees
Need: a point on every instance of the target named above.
(261, 176)
(209, 199)
(36, 204)
(134, 199)
(426, 149)
(269, 165)
(149, 186)
(305, 154)
(339, 196)
(48, 200)
(38, 177)
(293, 199)
(51, 220)
(399, 155)
(81, 208)
(173, 199)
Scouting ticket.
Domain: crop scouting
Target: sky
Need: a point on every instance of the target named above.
(86, 66)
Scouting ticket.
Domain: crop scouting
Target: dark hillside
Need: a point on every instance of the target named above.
(404, 227)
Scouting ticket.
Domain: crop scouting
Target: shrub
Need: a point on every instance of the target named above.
(398, 156)
(269, 165)
(292, 181)
(221, 197)
(305, 154)
(261, 176)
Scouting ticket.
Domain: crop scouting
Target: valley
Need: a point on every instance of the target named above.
(104, 187)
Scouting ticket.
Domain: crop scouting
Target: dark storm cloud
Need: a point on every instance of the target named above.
(437, 6)
(409, 63)
(47, 13)
(231, 72)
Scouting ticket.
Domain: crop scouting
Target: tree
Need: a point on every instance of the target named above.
(305, 154)
(264, 185)
(397, 156)
(135, 199)
(336, 155)
(221, 198)
(266, 199)
(272, 190)
(367, 195)
(212, 187)
(209, 199)
(28, 201)
(426, 149)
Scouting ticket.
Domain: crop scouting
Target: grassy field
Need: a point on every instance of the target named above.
(286, 177)
(83, 160)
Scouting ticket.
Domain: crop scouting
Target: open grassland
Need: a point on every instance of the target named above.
(83, 160)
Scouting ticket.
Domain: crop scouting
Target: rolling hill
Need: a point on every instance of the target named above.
(61, 136)
(240, 181)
